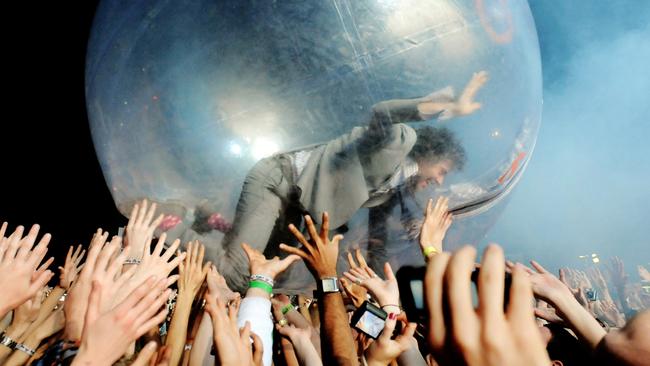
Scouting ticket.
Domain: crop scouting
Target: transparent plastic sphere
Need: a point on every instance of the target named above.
(185, 97)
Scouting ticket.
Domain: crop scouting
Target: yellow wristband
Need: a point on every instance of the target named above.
(428, 251)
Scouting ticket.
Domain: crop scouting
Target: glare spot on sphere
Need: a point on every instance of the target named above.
(235, 149)
(185, 97)
(263, 147)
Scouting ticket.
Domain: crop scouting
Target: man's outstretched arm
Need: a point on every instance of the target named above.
(441, 104)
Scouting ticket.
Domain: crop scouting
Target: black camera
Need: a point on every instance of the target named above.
(369, 319)
(411, 288)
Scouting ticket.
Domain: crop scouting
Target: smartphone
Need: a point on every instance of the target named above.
(411, 288)
(506, 287)
(369, 319)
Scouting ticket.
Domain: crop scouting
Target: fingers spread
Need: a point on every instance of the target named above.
(311, 228)
(360, 258)
(294, 251)
(388, 272)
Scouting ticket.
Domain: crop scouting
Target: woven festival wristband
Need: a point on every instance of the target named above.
(261, 285)
(287, 308)
(428, 251)
(263, 278)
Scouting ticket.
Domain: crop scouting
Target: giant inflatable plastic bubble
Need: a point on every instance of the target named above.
(184, 97)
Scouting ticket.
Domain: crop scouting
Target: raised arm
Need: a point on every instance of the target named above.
(437, 220)
(203, 339)
(384, 115)
(304, 349)
(192, 272)
(552, 290)
(256, 306)
(320, 255)
(21, 272)
(441, 104)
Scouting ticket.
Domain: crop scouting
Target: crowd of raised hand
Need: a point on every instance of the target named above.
(135, 300)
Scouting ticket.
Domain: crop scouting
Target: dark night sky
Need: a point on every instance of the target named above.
(50, 174)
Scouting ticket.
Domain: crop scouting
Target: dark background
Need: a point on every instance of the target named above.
(50, 174)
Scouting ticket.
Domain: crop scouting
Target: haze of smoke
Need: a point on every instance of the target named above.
(587, 186)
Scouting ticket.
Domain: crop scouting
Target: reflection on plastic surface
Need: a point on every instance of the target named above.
(185, 97)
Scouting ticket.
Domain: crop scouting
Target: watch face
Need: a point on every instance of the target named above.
(329, 285)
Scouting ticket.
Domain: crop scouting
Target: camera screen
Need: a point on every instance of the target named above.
(417, 290)
(370, 324)
(411, 287)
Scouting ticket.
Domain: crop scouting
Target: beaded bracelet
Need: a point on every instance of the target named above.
(263, 278)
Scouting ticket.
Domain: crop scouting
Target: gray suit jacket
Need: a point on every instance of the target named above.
(340, 174)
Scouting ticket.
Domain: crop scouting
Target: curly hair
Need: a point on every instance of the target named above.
(434, 144)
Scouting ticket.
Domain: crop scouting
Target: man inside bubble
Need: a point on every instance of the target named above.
(364, 168)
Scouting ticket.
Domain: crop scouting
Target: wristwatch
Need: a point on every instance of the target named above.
(328, 284)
